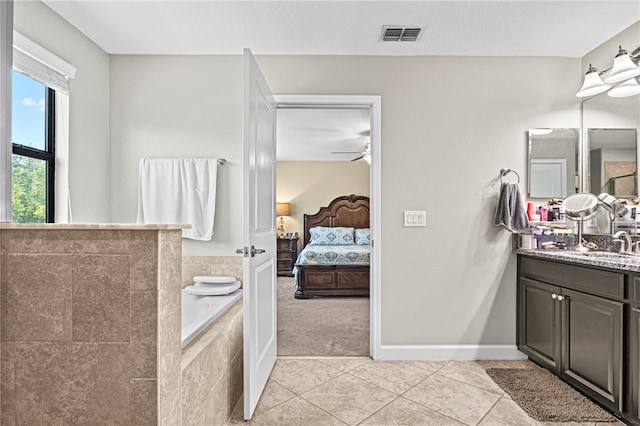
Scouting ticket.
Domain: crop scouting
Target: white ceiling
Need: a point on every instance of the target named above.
(312, 134)
(483, 28)
(460, 28)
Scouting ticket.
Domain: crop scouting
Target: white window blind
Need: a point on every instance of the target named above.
(38, 63)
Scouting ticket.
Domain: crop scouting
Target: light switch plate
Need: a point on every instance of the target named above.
(415, 218)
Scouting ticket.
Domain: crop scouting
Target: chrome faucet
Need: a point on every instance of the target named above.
(626, 244)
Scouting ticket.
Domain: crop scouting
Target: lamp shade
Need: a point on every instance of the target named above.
(628, 88)
(593, 84)
(283, 209)
(623, 68)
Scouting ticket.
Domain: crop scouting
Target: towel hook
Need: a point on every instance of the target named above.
(504, 172)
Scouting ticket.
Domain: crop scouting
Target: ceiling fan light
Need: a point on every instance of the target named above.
(623, 68)
(628, 88)
(593, 84)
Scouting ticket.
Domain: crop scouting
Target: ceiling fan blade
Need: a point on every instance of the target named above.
(358, 158)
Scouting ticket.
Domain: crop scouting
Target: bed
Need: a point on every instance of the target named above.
(335, 270)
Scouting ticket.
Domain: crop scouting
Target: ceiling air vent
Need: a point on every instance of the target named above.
(400, 33)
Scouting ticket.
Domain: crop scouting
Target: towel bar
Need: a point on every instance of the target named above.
(504, 172)
(222, 161)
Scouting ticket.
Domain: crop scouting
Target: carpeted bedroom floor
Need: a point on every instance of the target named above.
(322, 326)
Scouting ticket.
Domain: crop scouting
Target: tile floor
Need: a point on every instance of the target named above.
(358, 391)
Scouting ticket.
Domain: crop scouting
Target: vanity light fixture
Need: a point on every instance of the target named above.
(628, 88)
(623, 67)
(540, 132)
(593, 84)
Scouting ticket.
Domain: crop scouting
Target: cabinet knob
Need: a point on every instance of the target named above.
(560, 297)
(554, 296)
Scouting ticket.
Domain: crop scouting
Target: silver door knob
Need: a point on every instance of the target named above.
(255, 251)
(560, 297)
(554, 296)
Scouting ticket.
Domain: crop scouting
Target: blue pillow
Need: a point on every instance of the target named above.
(337, 236)
(363, 237)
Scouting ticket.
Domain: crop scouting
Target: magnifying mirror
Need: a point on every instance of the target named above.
(580, 207)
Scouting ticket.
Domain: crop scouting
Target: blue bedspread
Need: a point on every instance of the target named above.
(334, 255)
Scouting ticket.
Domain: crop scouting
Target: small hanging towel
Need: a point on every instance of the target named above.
(179, 191)
(511, 212)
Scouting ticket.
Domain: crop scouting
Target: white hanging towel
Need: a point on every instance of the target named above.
(179, 191)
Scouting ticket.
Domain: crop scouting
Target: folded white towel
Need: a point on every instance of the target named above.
(180, 191)
(215, 290)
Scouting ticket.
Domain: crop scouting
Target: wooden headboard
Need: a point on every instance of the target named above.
(349, 210)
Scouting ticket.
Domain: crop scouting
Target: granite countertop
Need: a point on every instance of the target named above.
(600, 259)
(93, 226)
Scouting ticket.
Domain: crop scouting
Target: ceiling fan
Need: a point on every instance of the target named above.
(364, 153)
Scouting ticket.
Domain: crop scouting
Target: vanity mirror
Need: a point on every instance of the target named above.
(610, 127)
(553, 162)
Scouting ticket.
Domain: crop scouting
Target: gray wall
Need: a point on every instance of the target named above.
(88, 106)
(446, 133)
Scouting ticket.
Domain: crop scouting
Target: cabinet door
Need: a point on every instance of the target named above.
(634, 360)
(539, 325)
(592, 346)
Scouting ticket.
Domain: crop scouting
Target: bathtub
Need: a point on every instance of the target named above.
(198, 312)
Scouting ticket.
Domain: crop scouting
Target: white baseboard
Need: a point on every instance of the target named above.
(449, 352)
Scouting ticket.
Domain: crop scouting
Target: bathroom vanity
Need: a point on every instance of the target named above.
(579, 316)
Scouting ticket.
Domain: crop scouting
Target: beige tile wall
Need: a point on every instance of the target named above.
(210, 265)
(212, 381)
(82, 312)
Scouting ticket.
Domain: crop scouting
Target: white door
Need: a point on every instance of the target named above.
(259, 234)
(548, 178)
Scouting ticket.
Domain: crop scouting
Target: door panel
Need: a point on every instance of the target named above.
(259, 267)
(539, 312)
(592, 358)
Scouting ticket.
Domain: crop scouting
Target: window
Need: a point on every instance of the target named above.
(33, 162)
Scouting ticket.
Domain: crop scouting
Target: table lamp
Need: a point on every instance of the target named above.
(282, 209)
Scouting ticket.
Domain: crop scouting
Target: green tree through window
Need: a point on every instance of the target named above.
(33, 159)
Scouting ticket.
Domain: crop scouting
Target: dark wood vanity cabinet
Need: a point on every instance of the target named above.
(578, 335)
(633, 376)
(634, 363)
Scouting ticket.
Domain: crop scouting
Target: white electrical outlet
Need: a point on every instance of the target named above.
(415, 218)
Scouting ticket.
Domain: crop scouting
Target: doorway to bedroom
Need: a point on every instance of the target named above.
(323, 190)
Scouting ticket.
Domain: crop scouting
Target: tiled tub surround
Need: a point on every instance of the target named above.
(212, 371)
(210, 265)
(90, 324)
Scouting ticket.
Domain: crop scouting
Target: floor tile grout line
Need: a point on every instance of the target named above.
(489, 410)
(377, 411)
(378, 386)
(474, 386)
(434, 410)
(320, 408)
(280, 403)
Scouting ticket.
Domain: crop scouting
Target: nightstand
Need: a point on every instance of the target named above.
(287, 253)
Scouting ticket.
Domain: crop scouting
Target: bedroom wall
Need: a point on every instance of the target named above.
(88, 106)
(446, 133)
(309, 185)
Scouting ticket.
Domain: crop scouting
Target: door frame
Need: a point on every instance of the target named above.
(374, 103)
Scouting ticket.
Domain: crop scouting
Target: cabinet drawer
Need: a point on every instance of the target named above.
(284, 244)
(594, 281)
(286, 255)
